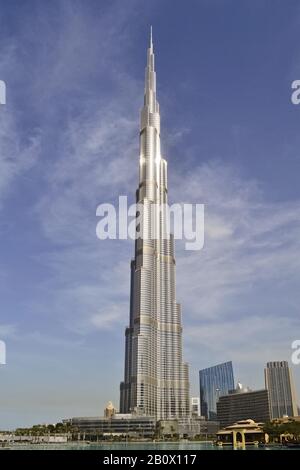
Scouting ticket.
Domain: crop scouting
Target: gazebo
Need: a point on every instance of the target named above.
(242, 433)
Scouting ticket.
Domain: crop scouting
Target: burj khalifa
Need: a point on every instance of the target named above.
(156, 381)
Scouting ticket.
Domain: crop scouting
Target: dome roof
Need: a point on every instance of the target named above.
(239, 386)
(110, 406)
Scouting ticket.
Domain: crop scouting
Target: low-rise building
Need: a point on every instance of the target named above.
(242, 433)
(118, 424)
(242, 404)
(187, 427)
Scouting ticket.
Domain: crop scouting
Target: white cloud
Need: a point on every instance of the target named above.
(111, 317)
(247, 241)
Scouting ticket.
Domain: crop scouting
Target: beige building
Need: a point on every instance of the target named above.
(242, 433)
(109, 410)
(281, 388)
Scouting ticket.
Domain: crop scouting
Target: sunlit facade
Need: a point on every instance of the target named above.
(280, 385)
(156, 378)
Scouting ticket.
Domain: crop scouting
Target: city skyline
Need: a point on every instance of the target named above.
(68, 135)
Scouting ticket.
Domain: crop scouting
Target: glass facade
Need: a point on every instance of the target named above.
(214, 382)
(118, 424)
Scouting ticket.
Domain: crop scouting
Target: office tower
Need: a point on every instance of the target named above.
(214, 382)
(155, 377)
(195, 406)
(242, 404)
(282, 395)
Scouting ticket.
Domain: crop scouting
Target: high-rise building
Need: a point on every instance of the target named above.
(195, 406)
(280, 385)
(156, 378)
(214, 382)
(243, 404)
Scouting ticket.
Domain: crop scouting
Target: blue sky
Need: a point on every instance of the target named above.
(69, 141)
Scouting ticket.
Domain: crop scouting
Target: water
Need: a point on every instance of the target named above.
(181, 445)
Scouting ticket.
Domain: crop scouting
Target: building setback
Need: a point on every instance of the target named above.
(240, 405)
(282, 394)
(155, 377)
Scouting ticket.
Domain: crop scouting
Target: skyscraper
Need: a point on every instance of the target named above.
(214, 382)
(155, 377)
(195, 406)
(282, 395)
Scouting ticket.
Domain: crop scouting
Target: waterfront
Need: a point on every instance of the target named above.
(130, 446)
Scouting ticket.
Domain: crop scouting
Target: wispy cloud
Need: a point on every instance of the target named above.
(16, 156)
(93, 167)
(248, 240)
(93, 159)
(111, 316)
(18, 153)
(243, 303)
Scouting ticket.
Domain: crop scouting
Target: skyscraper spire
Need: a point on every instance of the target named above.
(151, 42)
(155, 378)
(150, 111)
